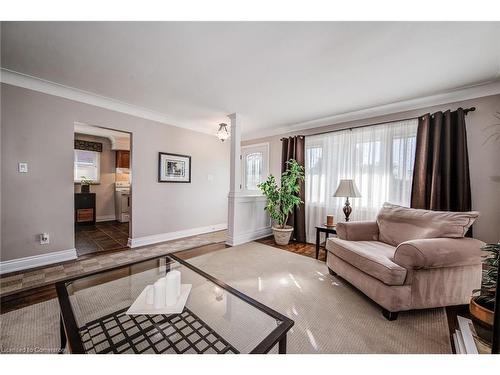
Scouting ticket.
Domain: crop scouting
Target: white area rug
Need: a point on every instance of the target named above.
(330, 316)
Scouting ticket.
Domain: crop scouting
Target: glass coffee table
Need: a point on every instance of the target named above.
(217, 318)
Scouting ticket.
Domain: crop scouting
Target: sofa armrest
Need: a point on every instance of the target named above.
(438, 253)
(358, 231)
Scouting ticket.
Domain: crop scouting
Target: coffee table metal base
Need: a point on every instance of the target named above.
(176, 334)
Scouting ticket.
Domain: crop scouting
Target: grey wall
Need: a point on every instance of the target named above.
(105, 190)
(38, 128)
(484, 158)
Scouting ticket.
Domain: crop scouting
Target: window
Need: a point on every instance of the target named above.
(254, 167)
(313, 166)
(403, 156)
(87, 166)
(253, 175)
(379, 158)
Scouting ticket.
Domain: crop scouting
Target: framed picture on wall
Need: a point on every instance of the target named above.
(174, 168)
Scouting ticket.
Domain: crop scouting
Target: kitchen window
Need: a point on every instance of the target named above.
(87, 166)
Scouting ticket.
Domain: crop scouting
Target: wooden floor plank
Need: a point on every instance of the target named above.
(306, 249)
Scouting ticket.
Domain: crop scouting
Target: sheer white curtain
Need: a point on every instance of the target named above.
(379, 158)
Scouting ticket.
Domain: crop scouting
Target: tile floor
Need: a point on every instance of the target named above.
(105, 236)
(21, 281)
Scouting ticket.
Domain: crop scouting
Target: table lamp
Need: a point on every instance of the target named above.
(347, 188)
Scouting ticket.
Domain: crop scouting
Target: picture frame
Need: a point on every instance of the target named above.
(174, 168)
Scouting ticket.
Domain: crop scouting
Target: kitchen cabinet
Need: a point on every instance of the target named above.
(122, 159)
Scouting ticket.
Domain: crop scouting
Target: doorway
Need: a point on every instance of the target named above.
(102, 189)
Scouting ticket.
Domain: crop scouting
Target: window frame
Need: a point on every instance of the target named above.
(250, 149)
(98, 162)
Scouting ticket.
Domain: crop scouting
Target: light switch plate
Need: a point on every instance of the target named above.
(23, 167)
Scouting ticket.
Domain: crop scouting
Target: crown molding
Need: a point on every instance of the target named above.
(37, 84)
(452, 96)
(14, 78)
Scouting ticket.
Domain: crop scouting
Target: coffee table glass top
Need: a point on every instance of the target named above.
(216, 319)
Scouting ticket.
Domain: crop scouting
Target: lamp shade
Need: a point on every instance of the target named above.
(347, 188)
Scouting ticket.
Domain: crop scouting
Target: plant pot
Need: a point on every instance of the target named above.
(481, 313)
(85, 188)
(282, 235)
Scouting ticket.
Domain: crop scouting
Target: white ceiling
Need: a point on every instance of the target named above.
(274, 74)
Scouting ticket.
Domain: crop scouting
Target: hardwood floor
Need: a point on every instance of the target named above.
(306, 249)
(26, 298)
(36, 295)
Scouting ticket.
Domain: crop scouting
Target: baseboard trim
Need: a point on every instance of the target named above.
(105, 218)
(249, 236)
(162, 237)
(37, 261)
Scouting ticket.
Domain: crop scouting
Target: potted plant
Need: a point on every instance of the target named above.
(482, 305)
(282, 200)
(85, 185)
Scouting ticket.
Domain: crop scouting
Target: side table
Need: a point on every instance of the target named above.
(327, 231)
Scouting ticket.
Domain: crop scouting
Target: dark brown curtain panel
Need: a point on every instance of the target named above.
(294, 148)
(441, 175)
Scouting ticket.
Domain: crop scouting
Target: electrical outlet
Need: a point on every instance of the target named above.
(44, 239)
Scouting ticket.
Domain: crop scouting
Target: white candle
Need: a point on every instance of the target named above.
(176, 276)
(218, 293)
(159, 293)
(173, 280)
(150, 295)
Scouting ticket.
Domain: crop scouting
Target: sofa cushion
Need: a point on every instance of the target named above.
(357, 230)
(371, 257)
(398, 224)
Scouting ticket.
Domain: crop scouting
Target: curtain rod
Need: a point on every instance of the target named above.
(466, 111)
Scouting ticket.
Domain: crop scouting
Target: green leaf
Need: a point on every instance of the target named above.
(490, 270)
(282, 200)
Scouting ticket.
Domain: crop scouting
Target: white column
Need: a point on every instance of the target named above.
(235, 176)
(247, 219)
(235, 179)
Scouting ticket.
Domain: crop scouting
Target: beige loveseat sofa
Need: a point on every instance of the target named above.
(408, 258)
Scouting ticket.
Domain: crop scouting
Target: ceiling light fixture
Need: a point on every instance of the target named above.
(223, 133)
